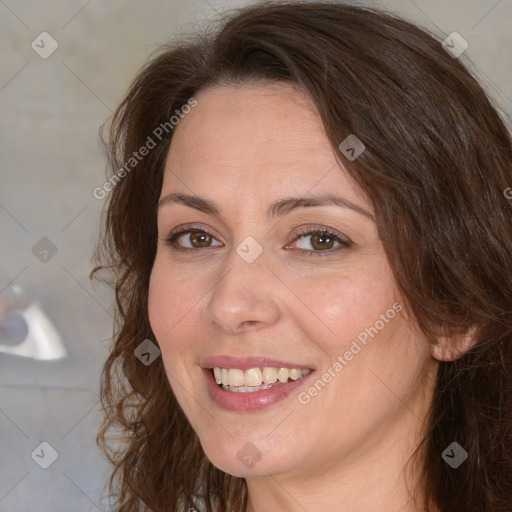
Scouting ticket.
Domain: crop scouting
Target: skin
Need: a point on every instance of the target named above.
(245, 147)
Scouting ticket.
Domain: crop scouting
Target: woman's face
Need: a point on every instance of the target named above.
(261, 288)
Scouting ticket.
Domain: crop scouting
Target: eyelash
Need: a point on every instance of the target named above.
(344, 243)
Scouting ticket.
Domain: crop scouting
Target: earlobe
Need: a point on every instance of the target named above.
(450, 348)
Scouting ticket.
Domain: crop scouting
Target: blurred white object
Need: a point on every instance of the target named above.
(25, 330)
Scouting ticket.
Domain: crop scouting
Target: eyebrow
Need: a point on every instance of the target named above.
(277, 209)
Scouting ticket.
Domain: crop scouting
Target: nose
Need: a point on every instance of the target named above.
(246, 295)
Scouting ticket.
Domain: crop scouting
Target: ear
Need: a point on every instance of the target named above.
(450, 348)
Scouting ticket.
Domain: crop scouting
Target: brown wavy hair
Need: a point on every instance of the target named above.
(438, 159)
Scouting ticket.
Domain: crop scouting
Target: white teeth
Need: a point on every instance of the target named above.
(295, 373)
(255, 379)
(283, 375)
(269, 375)
(236, 377)
(246, 389)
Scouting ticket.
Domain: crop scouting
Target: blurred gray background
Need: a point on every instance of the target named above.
(50, 163)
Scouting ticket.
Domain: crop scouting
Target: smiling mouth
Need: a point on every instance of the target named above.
(256, 379)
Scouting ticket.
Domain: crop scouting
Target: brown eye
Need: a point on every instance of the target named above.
(200, 238)
(196, 238)
(321, 242)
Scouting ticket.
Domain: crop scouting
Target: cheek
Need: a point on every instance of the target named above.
(172, 296)
(174, 304)
(343, 307)
(159, 301)
(167, 304)
(167, 310)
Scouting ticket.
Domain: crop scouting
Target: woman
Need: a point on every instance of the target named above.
(311, 247)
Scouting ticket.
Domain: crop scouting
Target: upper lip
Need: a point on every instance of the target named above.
(245, 363)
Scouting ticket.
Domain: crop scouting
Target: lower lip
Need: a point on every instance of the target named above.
(251, 400)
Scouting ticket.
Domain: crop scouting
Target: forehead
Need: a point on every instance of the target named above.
(262, 138)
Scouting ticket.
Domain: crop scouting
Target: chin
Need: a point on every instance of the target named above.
(249, 458)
